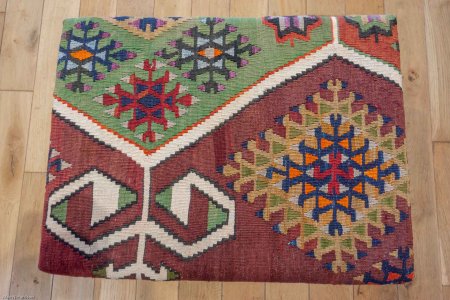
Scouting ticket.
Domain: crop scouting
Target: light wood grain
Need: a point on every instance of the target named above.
(149, 290)
(20, 45)
(370, 292)
(287, 7)
(110, 289)
(437, 16)
(3, 5)
(243, 291)
(358, 7)
(104, 8)
(441, 167)
(330, 292)
(325, 7)
(2, 23)
(173, 8)
(198, 290)
(136, 8)
(419, 147)
(72, 288)
(286, 291)
(55, 11)
(26, 279)
(14, 121)
(446, 292)
(216, 8)
(249, 8)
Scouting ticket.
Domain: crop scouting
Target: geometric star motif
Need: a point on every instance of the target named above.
(292, 27)
(373, 25)
(148, 101)
(87, 53)
(331, 172)
(212, 53)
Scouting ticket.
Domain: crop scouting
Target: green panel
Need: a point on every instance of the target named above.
(164, 198)
(126, 197)
(216, 216)
(259, 64)
(59, 211)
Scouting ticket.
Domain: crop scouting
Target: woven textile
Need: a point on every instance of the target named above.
(265, 149)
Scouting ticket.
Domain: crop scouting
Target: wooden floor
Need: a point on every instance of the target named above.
(29, 35)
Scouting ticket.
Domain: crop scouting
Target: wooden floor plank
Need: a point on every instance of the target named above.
(249, 8)
(446, 292)
(150, 290)
(199, 290)
(371, 292)
(330, 292)
(441, 167)
(173, 8)
(325, 7)
(2, 23)
(14, 120)
(110, 289)
(437, 16)
(216, 8)
(243, 291)
(358, 7)
(287, 291)
(3, 5)
(20, 43)
(136, 8)
(55, 11)
(26, 279)
(104, 8)
(418, 127)
(287, 7)
(72, 288)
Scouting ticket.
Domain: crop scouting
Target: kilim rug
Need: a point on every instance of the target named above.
(265, 149)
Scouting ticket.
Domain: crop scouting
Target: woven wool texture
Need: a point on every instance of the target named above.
(238, 149)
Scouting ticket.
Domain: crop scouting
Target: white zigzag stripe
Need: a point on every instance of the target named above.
(229, 110)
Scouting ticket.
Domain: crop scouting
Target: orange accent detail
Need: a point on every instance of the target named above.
(293, 172)
(325, 143)
(358, 159)
(81, 54)
(344, 143)
(217, 52)
(324, 202)
(219, 108)
(372, 173)
(393, 276)
(309, 158)
(343, 202)
(309, 188)
(358, 188)
(410, 275)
